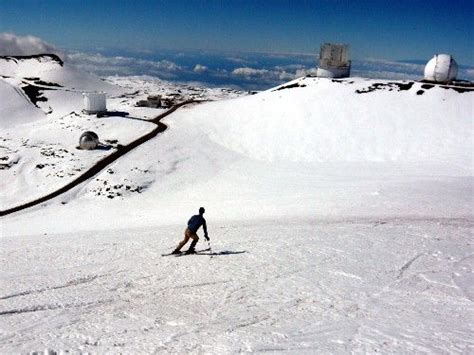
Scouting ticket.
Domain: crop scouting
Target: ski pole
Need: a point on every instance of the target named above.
(210, 249)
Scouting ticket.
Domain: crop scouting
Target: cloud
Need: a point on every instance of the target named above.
(119, 65)
(198, 68)
(11, 44)
(249, 72)
(260, 76)
(263, 74)
(466, 74)
(305, 71)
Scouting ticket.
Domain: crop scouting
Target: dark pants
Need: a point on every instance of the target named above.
(188, 234)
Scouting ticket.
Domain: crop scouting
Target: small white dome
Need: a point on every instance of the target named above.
(441, 68)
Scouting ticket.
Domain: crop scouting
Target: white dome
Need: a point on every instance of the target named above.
(441, 68)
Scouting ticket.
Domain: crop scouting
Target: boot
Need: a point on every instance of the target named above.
(176, 251)
(191, 248)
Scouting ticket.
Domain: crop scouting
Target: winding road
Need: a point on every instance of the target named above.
(102, 164)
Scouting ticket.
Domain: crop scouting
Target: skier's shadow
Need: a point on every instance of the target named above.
(224, 252)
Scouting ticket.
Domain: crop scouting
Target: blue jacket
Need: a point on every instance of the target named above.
(195, 222)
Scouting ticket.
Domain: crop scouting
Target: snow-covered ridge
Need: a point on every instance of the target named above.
(40, 58)
(51, 69)
(352, 120)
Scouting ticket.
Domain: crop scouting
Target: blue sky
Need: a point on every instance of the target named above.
(391, 30)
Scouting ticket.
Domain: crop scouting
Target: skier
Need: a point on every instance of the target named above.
(194, 223)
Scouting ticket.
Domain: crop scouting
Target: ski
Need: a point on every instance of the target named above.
(197, 252)
(182, 253)
(170, 254)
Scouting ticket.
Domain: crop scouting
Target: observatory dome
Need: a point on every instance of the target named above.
(334, 61)
(441, 68)
(89, 140)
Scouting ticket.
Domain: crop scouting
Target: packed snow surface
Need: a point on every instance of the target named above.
(340, 216)
(295, 286)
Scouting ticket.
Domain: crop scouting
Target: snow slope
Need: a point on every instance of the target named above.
(318, 120)
(42, 119)
(222, 154)
(305, 287)
(16, 108)
(340, 216)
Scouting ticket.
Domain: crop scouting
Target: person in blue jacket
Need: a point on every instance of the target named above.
(194, 223)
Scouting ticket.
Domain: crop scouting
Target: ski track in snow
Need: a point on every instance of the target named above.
(338, 286)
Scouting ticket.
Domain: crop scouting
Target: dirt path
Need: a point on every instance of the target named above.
(101, 164)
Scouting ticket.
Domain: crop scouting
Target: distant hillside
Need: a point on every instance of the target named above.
(39, 57)
(50, 69)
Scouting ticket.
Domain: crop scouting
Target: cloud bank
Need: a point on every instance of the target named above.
(120, 65)
(249, 71)
(11, 44)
